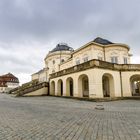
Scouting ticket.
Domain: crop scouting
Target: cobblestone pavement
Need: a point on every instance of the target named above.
(53, 118)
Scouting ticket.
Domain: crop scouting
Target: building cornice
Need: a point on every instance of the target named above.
(100, 45)
(57, 53)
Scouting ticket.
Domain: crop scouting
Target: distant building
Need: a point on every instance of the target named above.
(8, 82)
(98, 69)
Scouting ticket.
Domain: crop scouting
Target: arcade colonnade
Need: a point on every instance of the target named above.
(96, 83)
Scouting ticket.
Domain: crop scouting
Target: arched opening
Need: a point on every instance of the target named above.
(108, 85)
(60, 87)
(83, 85)
(52, 88)
(135, 85)
(69, 86)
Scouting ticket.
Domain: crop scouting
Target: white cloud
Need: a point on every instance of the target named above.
(24, 77)
(135, 60)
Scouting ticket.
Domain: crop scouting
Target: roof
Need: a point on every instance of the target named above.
(9, 75)
(40, 71)
(102, 41)
(8, 78)
(62, 47)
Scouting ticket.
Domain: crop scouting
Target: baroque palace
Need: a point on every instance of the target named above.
(98, 69)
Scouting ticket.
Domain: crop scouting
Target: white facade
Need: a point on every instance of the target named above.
(12, 85)
(53, 60)
(8, 82)
(95, 70)
(41, 75)
(8, 87)
(2, 89)
(97, 51)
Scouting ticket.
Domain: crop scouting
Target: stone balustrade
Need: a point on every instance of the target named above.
(96, 63)
(28, 87)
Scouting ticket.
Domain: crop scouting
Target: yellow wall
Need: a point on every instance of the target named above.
(95, 82)
(39, 92)
(126, 82)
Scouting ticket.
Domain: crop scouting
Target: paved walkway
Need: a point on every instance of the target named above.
(53, 118)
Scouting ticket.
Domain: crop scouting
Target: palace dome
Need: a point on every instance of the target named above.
(62, 47)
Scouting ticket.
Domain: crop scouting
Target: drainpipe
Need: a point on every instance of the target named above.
(121, 83)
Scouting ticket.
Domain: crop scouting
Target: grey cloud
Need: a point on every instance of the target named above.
(28, 26)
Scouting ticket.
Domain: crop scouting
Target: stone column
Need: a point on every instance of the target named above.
(56, 88)
(126, 85)
(64, 87)
(95, 87)
(75, 86)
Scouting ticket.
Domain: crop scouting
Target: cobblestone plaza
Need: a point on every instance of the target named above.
(53, 118)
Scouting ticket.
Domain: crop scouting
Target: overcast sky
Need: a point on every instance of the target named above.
(30, 28)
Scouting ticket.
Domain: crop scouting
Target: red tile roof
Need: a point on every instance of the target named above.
(8, 78)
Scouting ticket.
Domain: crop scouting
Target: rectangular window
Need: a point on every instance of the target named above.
(114, 59)
(85, 59)
(100, 58)
(77, 62)
(53, 61)
(125, 60)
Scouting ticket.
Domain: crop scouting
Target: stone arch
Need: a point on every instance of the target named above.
(52, 88)
(69, 86)
(60, 87)
(108, 85)
(83, 85)
(135, 85)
